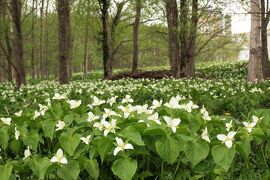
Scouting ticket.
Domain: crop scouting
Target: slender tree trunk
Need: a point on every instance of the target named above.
(183, 36)
(255, 64)
(104, 6)
(63, 10)
(46, 63)
(190, 66)
(173, 42)
(18, 42)
(41, 40)
(85, 61)
(33, 66)
(136, 28)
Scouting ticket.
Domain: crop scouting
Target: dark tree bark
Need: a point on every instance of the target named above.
(190, 66)
(63, 10)
(136, 28)
(264, 44)
(85, 58)
(33, 40)
(41, 65)
(173, 39)
(46, 63)
(184, 29)
(104, 8)
(15, 9)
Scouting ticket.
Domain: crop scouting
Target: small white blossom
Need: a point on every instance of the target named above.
(27, 153)
(86, 140)
(74, 104)
(127, 99)
(121, 146)
(249, 126)
(205, 135)
(60, 125)
(172, 123)
(18, 113)
(92, 117)
(154, 118)
(59, 157)
(6, 121)
(227, 139)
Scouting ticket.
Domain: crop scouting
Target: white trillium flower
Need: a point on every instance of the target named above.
(97, 102)
(173, 103)
(127, 110)
(27, 153)
(205, 135)
(141, 109)
(86, 140)
(228, 125)
(249, 126)
(256, 119)
(74, 104)
(108, 113)
(92, 117)
(99, 125)
(60, 125)
(109, 127)
(227, 139)
(127, 99)
(58, 96)
(36, 114)
(59, 157)
(18, 113)
(189, 106)
(6, 121)
(121, 146)
(156, 104)
(172, 123)
(112, 100)
(154, 118)
(17, 133)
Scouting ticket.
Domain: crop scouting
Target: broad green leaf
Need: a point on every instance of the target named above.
(5, 172)
(243, 147)
(40, 165)
(196, 151)
(69, 171)
(48, 128)
(194, 123)
(68, 119)
(69, 142)
(31, 139)
(104, 146)
(133, 135)
(4, 137)
(92, 167)
(168, 149)
(154, 130)
(15, 146)
(124, 168)
(223, 156)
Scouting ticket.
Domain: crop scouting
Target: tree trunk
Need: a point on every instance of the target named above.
(183, 36)
(104, 7)
(264, 45)
(173, 39)
(46, 63)
(33, 67)
(85, 61)
(190, 66)
(18, 42)
(41, 40)
(63, 10)
(255, 64)
(136, 27)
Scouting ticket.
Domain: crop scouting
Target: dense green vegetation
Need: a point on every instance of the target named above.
(171, 129)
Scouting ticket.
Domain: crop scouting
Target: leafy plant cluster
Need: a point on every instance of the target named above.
(135, 129)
